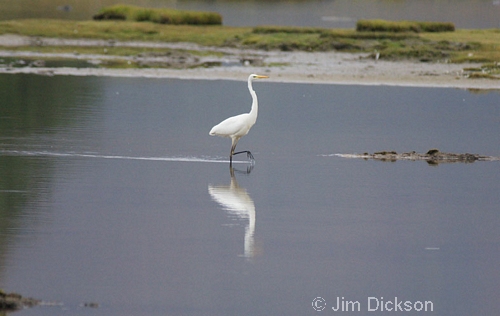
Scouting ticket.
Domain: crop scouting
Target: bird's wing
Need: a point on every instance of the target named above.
(233, 126)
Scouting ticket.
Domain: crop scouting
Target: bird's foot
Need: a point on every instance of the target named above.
(249, 155)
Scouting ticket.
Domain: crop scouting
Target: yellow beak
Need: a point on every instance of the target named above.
(262, 77)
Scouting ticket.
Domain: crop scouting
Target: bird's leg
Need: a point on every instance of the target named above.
(233, 147)
(231, 154)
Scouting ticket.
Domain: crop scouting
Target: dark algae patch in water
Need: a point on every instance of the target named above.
(10, 302)
(432, 156)
(15, 301)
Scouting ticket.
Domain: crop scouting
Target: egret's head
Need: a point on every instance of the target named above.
(254, 76)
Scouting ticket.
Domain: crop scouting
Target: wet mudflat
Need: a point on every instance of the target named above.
(112, 191)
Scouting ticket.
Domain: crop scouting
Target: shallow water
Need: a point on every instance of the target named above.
(112, 191)
(335, 14)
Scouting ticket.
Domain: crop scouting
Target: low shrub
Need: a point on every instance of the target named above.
(163, 16)
(403, 26)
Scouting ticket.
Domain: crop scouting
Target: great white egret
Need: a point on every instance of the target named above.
(238, 126)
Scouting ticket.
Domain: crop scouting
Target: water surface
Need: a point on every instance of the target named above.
(112, 191)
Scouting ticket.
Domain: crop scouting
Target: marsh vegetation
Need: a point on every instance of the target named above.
(458, 46)
(162, 16)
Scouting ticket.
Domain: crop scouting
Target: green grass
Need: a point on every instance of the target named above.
(471, 45)
(90, 50)
(287, 30)
(162, 16)
(122, 30)
(487, 70)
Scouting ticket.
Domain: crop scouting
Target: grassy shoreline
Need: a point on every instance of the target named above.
(459, 46)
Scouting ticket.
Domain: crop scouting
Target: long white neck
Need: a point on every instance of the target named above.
(255, 104)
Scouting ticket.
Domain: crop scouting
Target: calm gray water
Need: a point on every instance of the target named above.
(320, 13)
(112, 191)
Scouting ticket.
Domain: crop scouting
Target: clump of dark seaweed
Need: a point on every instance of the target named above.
(15, 301)
(433, 156)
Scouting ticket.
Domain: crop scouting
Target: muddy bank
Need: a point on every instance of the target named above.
(192, 61)
(432, 157)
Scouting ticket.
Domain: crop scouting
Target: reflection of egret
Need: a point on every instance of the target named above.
(236, 201)
(238, 126)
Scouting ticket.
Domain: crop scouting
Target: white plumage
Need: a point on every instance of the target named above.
(238, 126)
